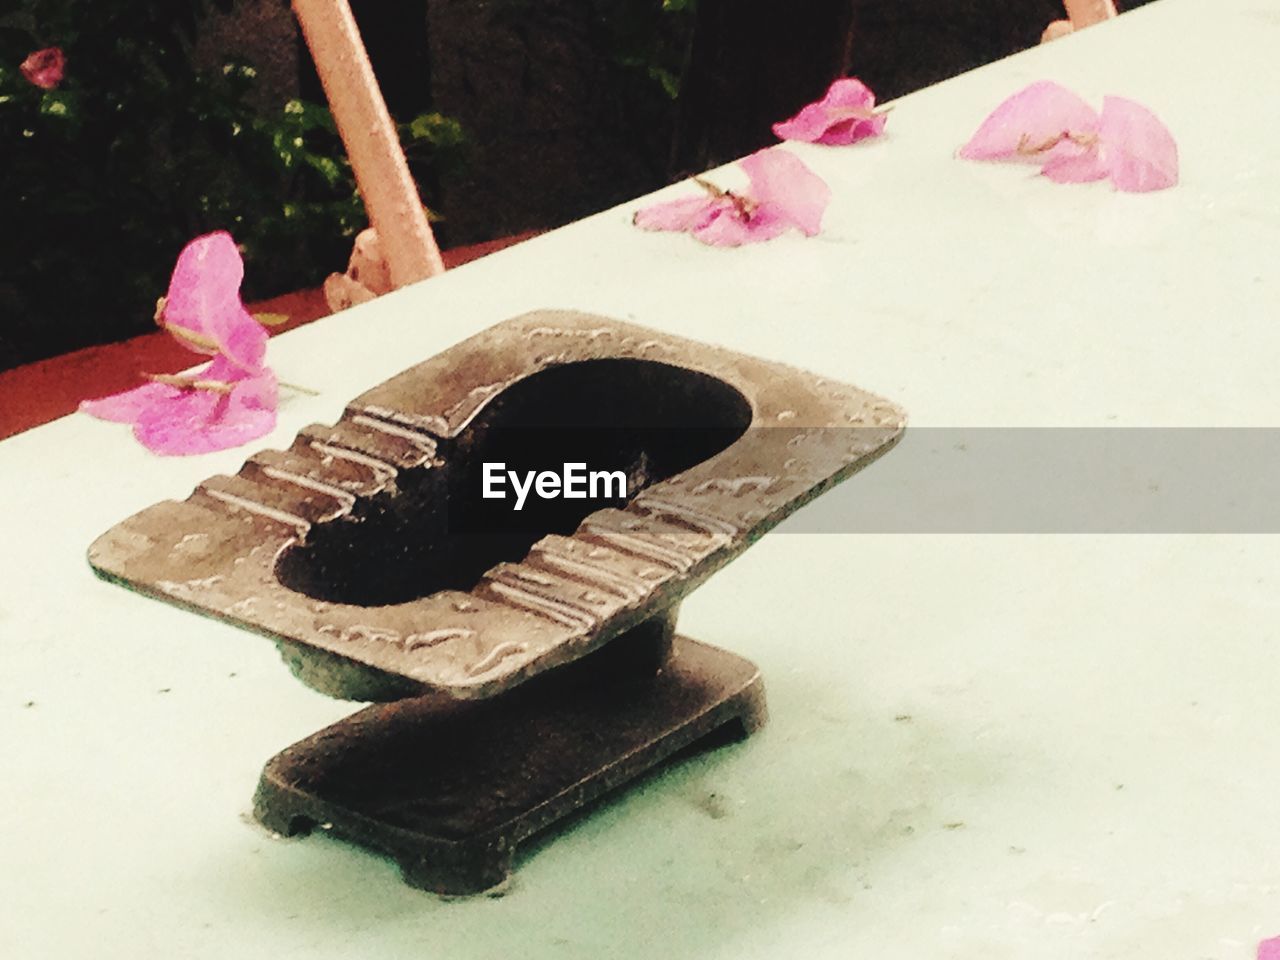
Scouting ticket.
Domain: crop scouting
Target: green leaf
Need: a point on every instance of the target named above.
(327, 167)
(308, 116)
(283, 144)
(670, 82)
(437, 130)
(57, 103)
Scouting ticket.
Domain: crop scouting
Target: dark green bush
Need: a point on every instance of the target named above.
(104, 178)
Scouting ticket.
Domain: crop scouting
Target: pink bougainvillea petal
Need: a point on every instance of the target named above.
(849, 92)
(853, 129)
(782, 193)
(203, 307)
(1140, 152)
(684, 214)
(174, 420)
(1050, 125)
(725, 229)
(232, 400)
(1032, 126)
(202, 421)
(785, 188)
(728, 229)
(844, 115)
(44, 68)
(1269, 949)
(126, 407)
(222, 369)
(1081, 168)
(179, 426)
(243, 339)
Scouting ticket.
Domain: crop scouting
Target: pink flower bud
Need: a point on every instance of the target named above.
(44, 67)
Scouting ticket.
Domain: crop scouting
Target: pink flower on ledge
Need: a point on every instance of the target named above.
(233, 399)
(782, 193)
(203, 309)
(44, 68)
(845, 115)
(1049, 125)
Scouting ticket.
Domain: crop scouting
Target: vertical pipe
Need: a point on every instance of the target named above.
(1085, 13)
(382, 174)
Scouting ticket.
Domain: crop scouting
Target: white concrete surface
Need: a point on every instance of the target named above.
(1025, 746)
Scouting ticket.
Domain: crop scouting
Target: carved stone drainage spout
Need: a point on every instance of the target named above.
(530, 658)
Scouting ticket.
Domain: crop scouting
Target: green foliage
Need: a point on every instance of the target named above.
(436, 130)
(651, 38)
(435, 146)
(136, 152)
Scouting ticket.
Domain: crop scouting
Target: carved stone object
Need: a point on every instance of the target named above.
(530, 656)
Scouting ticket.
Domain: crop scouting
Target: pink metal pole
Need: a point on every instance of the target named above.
(1080, 14)
(1085, 13)
(389, 193)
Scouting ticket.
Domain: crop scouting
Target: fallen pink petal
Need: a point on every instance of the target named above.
(685, 214)
(1082, 168)
(845, 114)
(45, 68)
(1139, 150)
(126, 407)
(1038, 123)
(210, 414)
(784, 187)
(203, 308)
(782, 193)
(203, 421)
(230, 401)
(1269, 949)
(1049, 125)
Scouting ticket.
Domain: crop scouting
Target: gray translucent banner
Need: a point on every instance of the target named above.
(1060, 480)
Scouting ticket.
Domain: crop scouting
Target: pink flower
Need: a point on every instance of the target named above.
(44, 68)
(1044, 120)
(215, 408)
(782, 193)
(845, 115)
(1137, 149)
(203, 309)
(1049, 125)
(233, 399)
(1269, 949)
